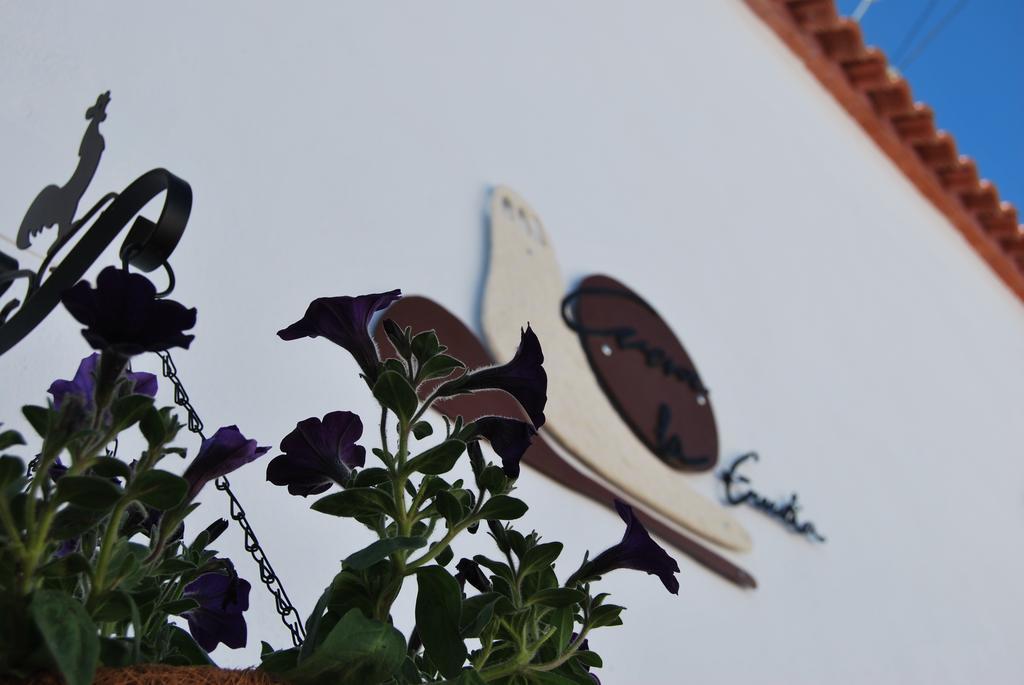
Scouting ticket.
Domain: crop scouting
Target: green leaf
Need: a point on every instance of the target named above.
(589, 659)
(398, 338)
(539, 557)
(65, 567)
(68, 634)
(449, 506)
(72, 521)
(438, 610)
(494, 480)
(498, 568)
(279, 661)
(374, 552)
(606, 615)
(153, 427)
(129, 409)
(425, 345)
(38, 418)
(355, 502)
(115, 606)
(467, 677)
(445, 556)
(158, 489)
(396, 365)
(477, 613)
(116, 651)
(126, 563)
(187, 647)
(502, 508)
(10, 439)
(357, 651)
(314, 624)
(178, 606)
(393, 391)
(88, 492)
(369, 477)
(11, 469)
(109, 467)
(174, 567)
(558, 597)
(422, 429)
(438, 367)
(564, 621)
(438, 459)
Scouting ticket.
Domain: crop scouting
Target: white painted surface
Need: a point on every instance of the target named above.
(846, 331)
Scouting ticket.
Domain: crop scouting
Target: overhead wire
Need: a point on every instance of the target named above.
(933, 34)
(919, 23)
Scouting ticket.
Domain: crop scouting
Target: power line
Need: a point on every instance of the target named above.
(862, 9)
(919, 23)
(926, 41)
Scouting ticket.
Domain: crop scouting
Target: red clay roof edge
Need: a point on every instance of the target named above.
(859, 77)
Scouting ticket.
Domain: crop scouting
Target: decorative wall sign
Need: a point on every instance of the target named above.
(423, 314)
(524, 283)
(147, 245)
(645, 372)
(785, 510)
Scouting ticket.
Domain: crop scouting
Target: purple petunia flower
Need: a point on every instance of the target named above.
(317, 453)
(83, 385)
(218, 618)
(345, 321)
(510, 438)
(219, 455)
(468, 571)
(524, 378)
(636, 551)
(123, 314)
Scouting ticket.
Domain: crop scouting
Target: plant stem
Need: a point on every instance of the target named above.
(106, 549)
(569, 652)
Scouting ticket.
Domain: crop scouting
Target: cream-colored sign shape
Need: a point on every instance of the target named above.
(524, 284)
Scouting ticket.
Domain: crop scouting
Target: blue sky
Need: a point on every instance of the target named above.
(971, 73)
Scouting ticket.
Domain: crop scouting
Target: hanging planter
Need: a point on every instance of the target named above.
(161, 674)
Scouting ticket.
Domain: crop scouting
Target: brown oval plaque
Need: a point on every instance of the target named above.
(645, 372)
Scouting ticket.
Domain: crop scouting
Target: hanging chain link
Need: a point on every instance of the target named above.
(289, 615)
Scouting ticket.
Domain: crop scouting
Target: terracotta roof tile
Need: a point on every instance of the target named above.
(881, 100)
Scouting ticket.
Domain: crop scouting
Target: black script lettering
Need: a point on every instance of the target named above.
(786, 511)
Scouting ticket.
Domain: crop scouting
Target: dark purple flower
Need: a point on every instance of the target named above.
(57, 470)
(218, 618)
(66, 547)
(318, 453)
(219, 455)
(636, 551)
(468, 571)
(345, 321)
(123, 314)
(524, 378)
(83, 385)
(510, 438)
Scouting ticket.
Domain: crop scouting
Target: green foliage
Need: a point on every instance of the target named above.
(356, 651)
(86, 577)
(68, 633)
(382, 549)
(506, 619)
(438, 610)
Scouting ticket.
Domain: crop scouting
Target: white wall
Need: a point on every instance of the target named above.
(845, 329)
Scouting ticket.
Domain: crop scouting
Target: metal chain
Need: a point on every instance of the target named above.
(287, 611)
